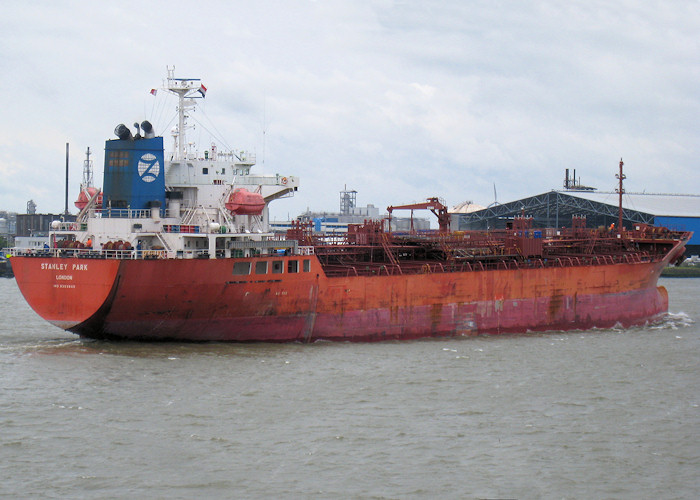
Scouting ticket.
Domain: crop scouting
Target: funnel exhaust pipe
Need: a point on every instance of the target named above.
(147, 128)
(123, 132)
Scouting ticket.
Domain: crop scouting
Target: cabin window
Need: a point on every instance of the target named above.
(293, 266)
(261, 267)
(205, 170)
(241, 268)
(223, 171)
(307, 265)
(277, 266)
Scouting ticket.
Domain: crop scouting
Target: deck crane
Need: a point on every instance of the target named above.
(432, 204)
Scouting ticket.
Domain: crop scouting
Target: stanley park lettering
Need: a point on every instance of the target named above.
(51, 266)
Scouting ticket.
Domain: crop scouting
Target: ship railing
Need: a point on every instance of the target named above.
(355, 269)
(30, 252)
(255, 248)
(89, 253)
(261, 180)
(421, 268)
(128, 213)
(86, 253)
(68, 226)
(362, 270)
(504, 264)
(268, 246)
(135, 253)
(237, 157)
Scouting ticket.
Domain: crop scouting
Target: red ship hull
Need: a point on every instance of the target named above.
(202, 300)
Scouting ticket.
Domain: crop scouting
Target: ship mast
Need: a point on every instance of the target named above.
(87, 170)
(620, 190)
(187, 90)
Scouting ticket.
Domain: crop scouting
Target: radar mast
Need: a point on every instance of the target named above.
(187, 90)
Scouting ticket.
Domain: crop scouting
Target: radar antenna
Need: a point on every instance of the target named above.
(87, 171)
(187, 90)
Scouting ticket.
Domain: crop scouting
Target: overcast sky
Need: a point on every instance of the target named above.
(398, 100)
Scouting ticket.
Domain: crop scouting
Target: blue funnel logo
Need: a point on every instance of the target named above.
(149, 167)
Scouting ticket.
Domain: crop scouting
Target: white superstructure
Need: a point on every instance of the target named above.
(198, 184)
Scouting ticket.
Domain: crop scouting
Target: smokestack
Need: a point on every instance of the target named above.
(147, 128)
(123, 132)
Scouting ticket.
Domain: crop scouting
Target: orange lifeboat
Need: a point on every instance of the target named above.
(243, 202)
(86, 194)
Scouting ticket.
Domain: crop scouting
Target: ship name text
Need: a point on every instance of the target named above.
(50, 266)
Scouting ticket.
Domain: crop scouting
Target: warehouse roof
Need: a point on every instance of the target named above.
(670, 205)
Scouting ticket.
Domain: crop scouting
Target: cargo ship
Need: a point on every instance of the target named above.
(178, 246)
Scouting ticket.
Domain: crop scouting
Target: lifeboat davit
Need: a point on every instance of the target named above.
(86, 195)
(243, 202)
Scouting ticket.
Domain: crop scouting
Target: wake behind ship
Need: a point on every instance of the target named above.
(178, 246)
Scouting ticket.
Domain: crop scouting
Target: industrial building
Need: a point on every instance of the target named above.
(8, 227)
(350, 213)
(556, 208)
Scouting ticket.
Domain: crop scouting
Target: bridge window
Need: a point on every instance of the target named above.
(293, 266)
(261, 267)
(307, 265)
(277, 266)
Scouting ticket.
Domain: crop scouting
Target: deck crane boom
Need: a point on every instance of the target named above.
(432, 204)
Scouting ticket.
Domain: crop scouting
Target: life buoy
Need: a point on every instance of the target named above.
(284, 180)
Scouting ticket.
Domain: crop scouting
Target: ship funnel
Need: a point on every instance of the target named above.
(147, 128)
(122, 132)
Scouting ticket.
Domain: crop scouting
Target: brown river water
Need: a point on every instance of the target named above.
(586, 414)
